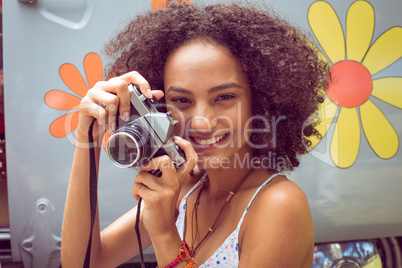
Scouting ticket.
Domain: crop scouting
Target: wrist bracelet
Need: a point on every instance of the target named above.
(184, 255)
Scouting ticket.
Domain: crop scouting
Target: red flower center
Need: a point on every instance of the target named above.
(351, 84)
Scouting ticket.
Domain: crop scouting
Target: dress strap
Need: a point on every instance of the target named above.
(181, 218)
(253, 197)
(194, 187)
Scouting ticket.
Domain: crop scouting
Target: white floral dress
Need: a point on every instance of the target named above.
(227, 255)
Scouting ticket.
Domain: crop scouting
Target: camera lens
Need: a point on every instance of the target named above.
(128, 146)
(123, 149)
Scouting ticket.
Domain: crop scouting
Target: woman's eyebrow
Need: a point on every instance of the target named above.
(210, 91)
(180, 90)
(223, 86)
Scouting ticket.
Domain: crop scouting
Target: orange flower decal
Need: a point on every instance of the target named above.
(61, 100)
(159, 4)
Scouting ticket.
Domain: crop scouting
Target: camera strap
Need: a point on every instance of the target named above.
(93, 197)
(93, 190)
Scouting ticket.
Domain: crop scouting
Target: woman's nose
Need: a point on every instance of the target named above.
(203, 122)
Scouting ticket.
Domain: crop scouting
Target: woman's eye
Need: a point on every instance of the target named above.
(180, 100)
(225, 97)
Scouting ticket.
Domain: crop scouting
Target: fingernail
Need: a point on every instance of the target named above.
(177, 138)
(126, 116)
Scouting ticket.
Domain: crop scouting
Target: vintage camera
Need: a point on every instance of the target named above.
(148, 134)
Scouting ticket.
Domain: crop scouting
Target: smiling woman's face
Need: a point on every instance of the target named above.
(207, 91)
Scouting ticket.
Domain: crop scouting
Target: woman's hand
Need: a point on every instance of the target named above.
(115, 245)
(106, 98)
(160, 194)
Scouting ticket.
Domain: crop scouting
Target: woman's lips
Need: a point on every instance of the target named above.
(211, 141)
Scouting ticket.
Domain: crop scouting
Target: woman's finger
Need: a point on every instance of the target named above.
(166, 165)
(158, 94)
(115, 96)
(90, 109)
(123, 94)
(136, 190)
(137, 79)
(163, 163)
(146, 181)
(191, 155)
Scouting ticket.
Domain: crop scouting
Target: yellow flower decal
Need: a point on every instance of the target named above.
(61, 100)
(354, 62)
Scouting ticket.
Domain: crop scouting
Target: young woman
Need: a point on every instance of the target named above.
(243, 85)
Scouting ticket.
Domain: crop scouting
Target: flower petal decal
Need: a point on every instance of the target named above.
(346, 139)
(379, 132)
(325, 116)
(93, 69)
(61, 100)
(389, 90)
(386, 50)
(359, 30)
(79, 85)
(327, 29)
(354, 58)
(159, 4)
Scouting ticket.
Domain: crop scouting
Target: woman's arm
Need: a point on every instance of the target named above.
(115, 246)
(160, 196)
(118, 242)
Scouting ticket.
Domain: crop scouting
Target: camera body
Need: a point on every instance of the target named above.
(147, 134)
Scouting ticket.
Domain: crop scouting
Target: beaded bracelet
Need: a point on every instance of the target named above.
(184, 255)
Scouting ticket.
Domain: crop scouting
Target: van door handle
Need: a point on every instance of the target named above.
(73, 14)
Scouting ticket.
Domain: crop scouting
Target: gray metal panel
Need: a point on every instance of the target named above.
(358, 202)
(362, 201)
(36, 44)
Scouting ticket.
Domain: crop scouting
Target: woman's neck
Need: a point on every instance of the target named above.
(222, 181)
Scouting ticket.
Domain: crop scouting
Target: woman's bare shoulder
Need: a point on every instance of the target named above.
(282, 192)
(281, 201)
(280, 222)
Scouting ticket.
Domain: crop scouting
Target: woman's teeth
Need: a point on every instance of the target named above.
(209, 141)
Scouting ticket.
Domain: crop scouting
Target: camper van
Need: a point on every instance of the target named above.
(52, 54)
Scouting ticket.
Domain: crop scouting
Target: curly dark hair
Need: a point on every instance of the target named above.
(287, 77)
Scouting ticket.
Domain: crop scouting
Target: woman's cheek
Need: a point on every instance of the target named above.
(179, 130)
(179, 116)
(180, 126)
